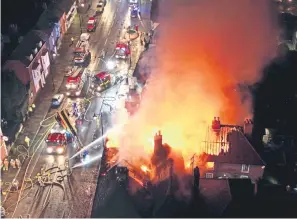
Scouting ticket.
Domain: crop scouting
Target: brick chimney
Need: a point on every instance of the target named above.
(158, 143)
(248, 127)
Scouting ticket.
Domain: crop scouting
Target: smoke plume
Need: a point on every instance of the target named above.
(207, 53)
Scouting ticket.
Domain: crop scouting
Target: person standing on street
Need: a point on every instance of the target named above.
(5, 164)
(72, 41)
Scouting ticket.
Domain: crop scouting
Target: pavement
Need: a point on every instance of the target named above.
(65, 196)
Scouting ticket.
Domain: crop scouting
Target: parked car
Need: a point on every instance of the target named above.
(57, 100)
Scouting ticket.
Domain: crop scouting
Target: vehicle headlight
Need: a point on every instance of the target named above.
(98, 88)
(123, 57)
(49, 150)
(77, 93)
(92, 86)
(67, 93)
(60, 150)
(117, 56)
(67, 86)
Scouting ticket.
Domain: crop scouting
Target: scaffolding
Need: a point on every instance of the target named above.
(216, 142)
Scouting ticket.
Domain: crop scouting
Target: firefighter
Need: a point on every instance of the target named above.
(17, 163)
(15, 185)
(30, 111)
(72, 40)
(5, 164)
(39, 180)
(33, 106)
(27, 141)
(12, 163)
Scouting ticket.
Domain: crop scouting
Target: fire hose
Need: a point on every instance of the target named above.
(25, 155)
(26, 171)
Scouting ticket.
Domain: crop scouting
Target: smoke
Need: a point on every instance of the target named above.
(207, 54)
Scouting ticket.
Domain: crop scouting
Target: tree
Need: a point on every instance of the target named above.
(13, 93)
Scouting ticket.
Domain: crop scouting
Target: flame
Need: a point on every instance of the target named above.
(197, 75)
(144, 168)
(209, 165)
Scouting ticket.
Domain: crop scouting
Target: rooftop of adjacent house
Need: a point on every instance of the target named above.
(26, 47)
(53, 14)
(118, 204)
(216, 195)
(237, 149)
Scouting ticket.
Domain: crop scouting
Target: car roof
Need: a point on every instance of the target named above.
(102, 75)
(55, 136)
(121, 45)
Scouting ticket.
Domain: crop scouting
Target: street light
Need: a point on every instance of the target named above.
(110, 65)
(82, 5)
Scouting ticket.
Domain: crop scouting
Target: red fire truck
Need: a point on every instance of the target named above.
(122, 51)
(75, 83)
(101, 81)
(57, 141)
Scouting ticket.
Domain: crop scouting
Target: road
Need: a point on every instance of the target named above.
(64, 196)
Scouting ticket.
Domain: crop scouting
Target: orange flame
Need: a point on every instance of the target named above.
(144, 168)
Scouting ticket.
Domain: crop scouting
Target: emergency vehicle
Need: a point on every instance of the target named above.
(91, 24)
(75, 83)
(80, 55)
(101, 81)
(122, 51)
(100, 7)
(56, 142)
(134, 12)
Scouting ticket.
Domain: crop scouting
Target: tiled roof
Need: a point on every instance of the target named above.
(26, 47)
(216, 194)
(53, 14)
(240, 151)
(118, 204)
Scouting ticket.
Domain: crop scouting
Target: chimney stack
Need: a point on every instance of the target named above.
(158, 144)
(248, 127)
(196, 173)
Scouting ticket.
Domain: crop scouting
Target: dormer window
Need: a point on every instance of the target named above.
(40, 44)
(35, 51)
(31, 57)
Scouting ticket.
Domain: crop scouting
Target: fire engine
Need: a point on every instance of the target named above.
(80, 55)
(91, 24)
(122, 51)
(75, 83)
(101, 81)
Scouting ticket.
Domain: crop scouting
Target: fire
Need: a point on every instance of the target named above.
(144, 168)
(198, 73)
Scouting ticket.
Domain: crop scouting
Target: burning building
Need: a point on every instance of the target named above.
(229, 154)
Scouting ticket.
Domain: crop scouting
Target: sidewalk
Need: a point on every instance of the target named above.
(32, 127)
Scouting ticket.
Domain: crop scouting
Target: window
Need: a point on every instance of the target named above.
(245, 168)
(210, 165)
(209, 175)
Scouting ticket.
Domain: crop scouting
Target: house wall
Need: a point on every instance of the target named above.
(235, 171)
(37, 76)
(70, 15)
(3, 146)
(63, 25)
